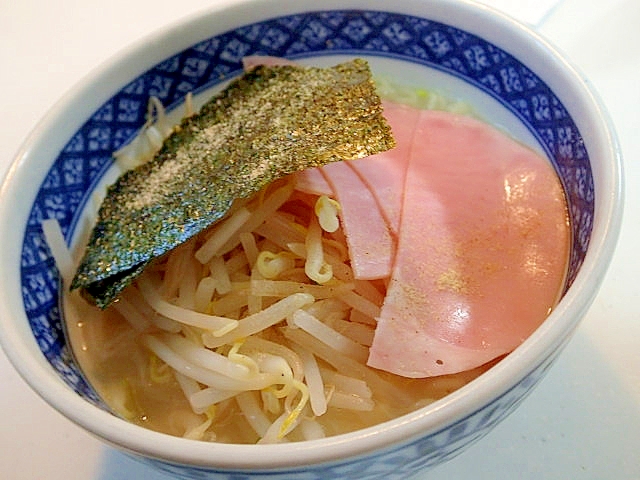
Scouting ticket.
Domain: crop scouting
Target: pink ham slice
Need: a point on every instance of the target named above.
(384, 173)
(312, 181)
(480, 254)
(371, 245)
(252, 61)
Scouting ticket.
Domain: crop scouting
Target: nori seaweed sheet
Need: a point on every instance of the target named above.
(268, 123)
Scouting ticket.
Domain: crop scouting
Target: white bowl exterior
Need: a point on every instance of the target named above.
(25, 176)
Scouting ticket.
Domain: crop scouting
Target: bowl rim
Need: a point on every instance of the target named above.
(91, 92)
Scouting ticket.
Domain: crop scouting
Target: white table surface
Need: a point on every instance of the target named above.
(582, 422)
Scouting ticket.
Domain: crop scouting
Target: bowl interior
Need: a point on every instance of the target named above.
(427, 53)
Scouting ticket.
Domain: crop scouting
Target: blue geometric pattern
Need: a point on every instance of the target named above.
(87, 155)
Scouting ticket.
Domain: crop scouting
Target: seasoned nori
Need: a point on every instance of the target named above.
(268, 123)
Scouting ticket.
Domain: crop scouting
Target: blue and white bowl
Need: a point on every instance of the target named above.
(511, 75)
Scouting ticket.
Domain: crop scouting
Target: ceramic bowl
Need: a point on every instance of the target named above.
(509, 73)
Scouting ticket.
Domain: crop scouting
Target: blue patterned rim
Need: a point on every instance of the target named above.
(87, 155)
